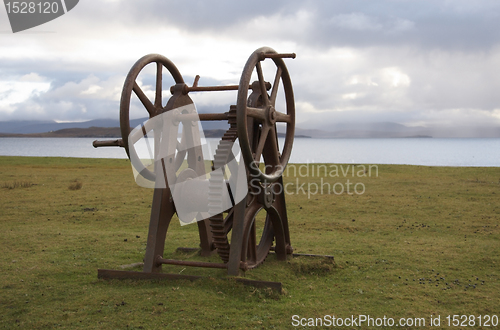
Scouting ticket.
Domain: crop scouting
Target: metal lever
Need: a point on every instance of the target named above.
(108, 143)
(263, 55)
(196, 79)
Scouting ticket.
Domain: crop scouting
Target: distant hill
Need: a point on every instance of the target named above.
(353, 134)
(394, 130)
(107, 132)
(110, 128)
(32, 126)
(99, 132)
(38, 126)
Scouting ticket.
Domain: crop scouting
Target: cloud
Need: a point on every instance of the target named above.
(87, 99)
(32, 77)
(17, 91)
(355, 21)
(414, 62)
(398, 84)
(402, 25)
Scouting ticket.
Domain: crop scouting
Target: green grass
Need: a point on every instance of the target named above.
(413, 230)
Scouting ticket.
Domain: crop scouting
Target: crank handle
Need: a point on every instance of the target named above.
(263, 56)
(108, 143)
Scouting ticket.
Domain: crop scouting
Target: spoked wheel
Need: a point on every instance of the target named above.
(257, 116)
(259, 234)
(153, 108)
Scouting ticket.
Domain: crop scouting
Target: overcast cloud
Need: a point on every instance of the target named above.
(415, 62)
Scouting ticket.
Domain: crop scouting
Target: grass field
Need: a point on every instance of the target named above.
(419, 241)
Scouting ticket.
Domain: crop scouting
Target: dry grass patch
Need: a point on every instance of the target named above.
(75, 185)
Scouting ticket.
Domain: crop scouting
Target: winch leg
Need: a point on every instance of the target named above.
(280, 205)
(206, 244)
(162, 210)
(233, 265)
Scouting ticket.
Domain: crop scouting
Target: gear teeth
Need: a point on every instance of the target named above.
(216, 184)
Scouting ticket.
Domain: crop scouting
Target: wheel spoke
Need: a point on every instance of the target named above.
(276, 83)
(256, 113)
(283, 117)
(157, 137)
(271, 154)
(228, 221)
(262, 83)
(252, 245)
(159, 84)
(136, 136)
(144, 99)
(262, 142)
(145, 134)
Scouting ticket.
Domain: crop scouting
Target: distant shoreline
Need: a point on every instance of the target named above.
(106, 132)
(110, 128)
(99, 132)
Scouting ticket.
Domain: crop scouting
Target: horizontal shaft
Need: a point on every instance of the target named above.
(213, 116)
(186, 89)
(212, 88)
(160, 260)
(108, 143)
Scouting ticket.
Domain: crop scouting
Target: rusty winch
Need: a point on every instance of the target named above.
(224, 208)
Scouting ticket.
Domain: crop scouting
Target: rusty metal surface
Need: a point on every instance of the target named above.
(259, 113)
(130, 86)
(160, 260)
(213, 116)
(253, 122)
(263, 55)
(195, 88)
(108, 143)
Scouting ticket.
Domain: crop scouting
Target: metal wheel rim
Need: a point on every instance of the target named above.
(242, 108)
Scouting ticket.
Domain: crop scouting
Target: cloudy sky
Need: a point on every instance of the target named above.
(418, 63)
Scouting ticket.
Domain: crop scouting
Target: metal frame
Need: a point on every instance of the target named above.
(253, 122)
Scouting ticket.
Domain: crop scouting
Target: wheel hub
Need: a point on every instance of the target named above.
(271, 114)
